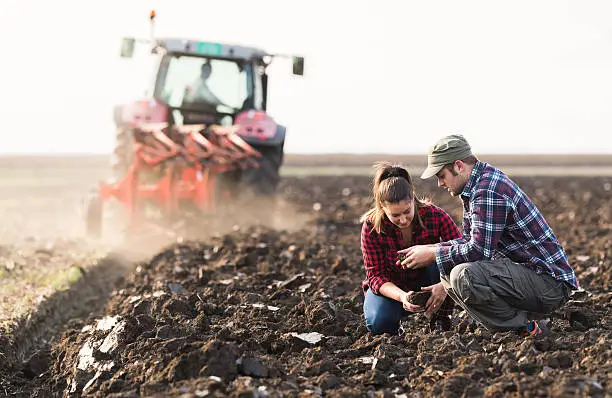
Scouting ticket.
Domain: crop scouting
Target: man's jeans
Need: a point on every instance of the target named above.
(383, 315)
(503, 295)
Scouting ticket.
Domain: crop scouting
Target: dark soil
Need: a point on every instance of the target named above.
(260, 312)
(420, 298)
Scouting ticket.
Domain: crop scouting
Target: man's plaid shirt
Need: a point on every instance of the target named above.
(380, 250)
(500, 219)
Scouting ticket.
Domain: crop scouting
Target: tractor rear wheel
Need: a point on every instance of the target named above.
(123, 153)
(264, 180)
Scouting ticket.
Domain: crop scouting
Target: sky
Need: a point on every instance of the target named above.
(380, 75)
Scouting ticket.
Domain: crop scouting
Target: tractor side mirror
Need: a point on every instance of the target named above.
(298, 66)
(127, 47)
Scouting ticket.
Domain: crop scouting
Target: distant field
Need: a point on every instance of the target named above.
(523, 165)
(328, 160)
(76, 170)
(421, 160)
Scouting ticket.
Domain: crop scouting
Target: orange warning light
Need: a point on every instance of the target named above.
(152, 15)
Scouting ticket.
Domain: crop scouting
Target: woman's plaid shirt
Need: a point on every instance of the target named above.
(380, 250)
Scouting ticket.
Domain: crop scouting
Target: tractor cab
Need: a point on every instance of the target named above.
(206, 90)
(198, 82)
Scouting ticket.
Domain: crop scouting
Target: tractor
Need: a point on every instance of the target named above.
(201, 134)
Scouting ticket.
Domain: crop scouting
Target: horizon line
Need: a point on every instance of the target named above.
(97, 154)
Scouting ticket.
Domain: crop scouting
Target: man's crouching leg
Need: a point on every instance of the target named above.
(476, 287)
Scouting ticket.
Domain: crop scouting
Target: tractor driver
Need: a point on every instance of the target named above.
(199, 91)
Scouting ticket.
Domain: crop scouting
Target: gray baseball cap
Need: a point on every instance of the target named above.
(447, 150)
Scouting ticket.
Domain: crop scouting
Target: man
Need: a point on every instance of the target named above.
(508, 270)
(199, 90)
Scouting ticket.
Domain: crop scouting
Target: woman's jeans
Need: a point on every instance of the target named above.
(383, 315)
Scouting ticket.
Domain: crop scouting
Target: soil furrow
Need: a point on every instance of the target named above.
(26, 349)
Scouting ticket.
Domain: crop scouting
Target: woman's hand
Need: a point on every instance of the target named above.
(438, 295)
(408, 306)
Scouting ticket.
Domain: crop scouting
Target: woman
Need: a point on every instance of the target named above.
(399, 220)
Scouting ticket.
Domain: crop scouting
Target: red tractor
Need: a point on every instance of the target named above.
(201, 133)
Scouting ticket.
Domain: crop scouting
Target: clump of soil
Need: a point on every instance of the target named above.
(420, 298)
(263, 312)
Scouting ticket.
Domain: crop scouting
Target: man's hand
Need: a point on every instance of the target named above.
(438, 295)
(408, 306)
(418, 256)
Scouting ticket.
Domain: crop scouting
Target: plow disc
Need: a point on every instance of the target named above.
(172, 166)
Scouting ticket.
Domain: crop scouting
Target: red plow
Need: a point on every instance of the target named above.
(172, 166)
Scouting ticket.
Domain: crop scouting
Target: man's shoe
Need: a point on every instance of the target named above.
(535, 328)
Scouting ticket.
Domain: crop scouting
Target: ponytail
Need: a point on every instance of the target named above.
(391, 184)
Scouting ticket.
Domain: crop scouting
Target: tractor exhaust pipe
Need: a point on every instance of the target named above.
(152, 16)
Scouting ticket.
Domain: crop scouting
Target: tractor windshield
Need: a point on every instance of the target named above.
(207, 84)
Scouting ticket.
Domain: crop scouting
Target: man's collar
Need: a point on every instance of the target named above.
(476, 171)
